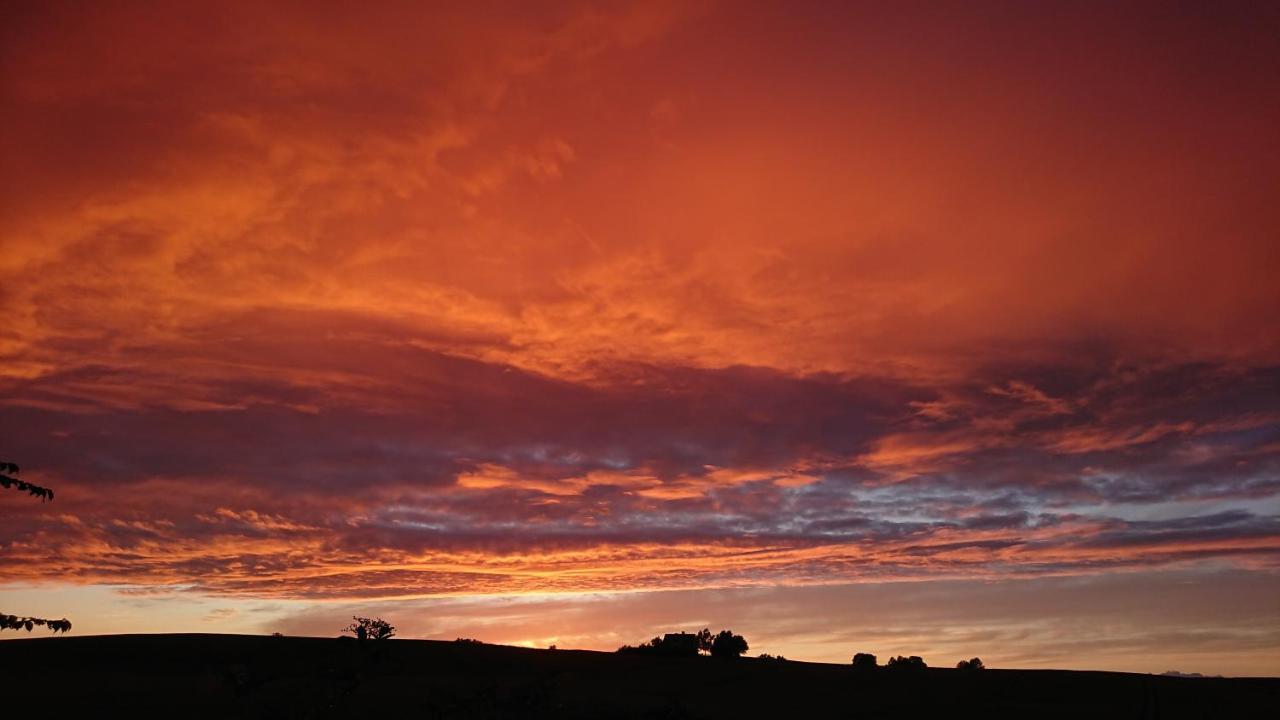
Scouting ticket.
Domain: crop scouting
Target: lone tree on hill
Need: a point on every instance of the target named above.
(19, 622)
(974, 664)
(728, 645)
(864, 661)
(370, 628)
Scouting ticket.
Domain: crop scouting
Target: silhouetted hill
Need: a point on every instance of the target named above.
(252, 676)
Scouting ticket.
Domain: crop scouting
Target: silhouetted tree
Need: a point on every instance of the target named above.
(18, 622)
(370, 628)
(728, 645)
(705, 638)
(973, 664)
(915, 662)
(864, 661)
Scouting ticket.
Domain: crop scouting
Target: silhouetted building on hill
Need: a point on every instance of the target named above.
(681, 643)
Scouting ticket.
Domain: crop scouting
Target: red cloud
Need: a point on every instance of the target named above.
(433, 301)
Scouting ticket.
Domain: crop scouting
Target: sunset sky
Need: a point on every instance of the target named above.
(945, 329)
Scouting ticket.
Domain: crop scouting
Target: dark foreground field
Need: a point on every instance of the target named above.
(249, 676)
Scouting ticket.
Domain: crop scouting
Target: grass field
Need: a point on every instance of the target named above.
(284, 677)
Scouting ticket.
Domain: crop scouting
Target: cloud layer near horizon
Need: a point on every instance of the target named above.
(325, 306)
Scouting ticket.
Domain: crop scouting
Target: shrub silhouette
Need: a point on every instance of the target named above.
(19, 622)
(973, 664)
(773, 658)
(728, 645)
(864, 661)
(370, 628)
(915, 662)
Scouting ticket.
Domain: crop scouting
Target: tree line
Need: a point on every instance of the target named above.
(867, 661)
(724, 644)
(727, 644)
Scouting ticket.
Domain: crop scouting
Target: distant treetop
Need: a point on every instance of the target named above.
(915, 662)
(728, 645)
(864, 661)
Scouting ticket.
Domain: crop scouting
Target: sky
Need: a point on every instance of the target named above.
(944, 329)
